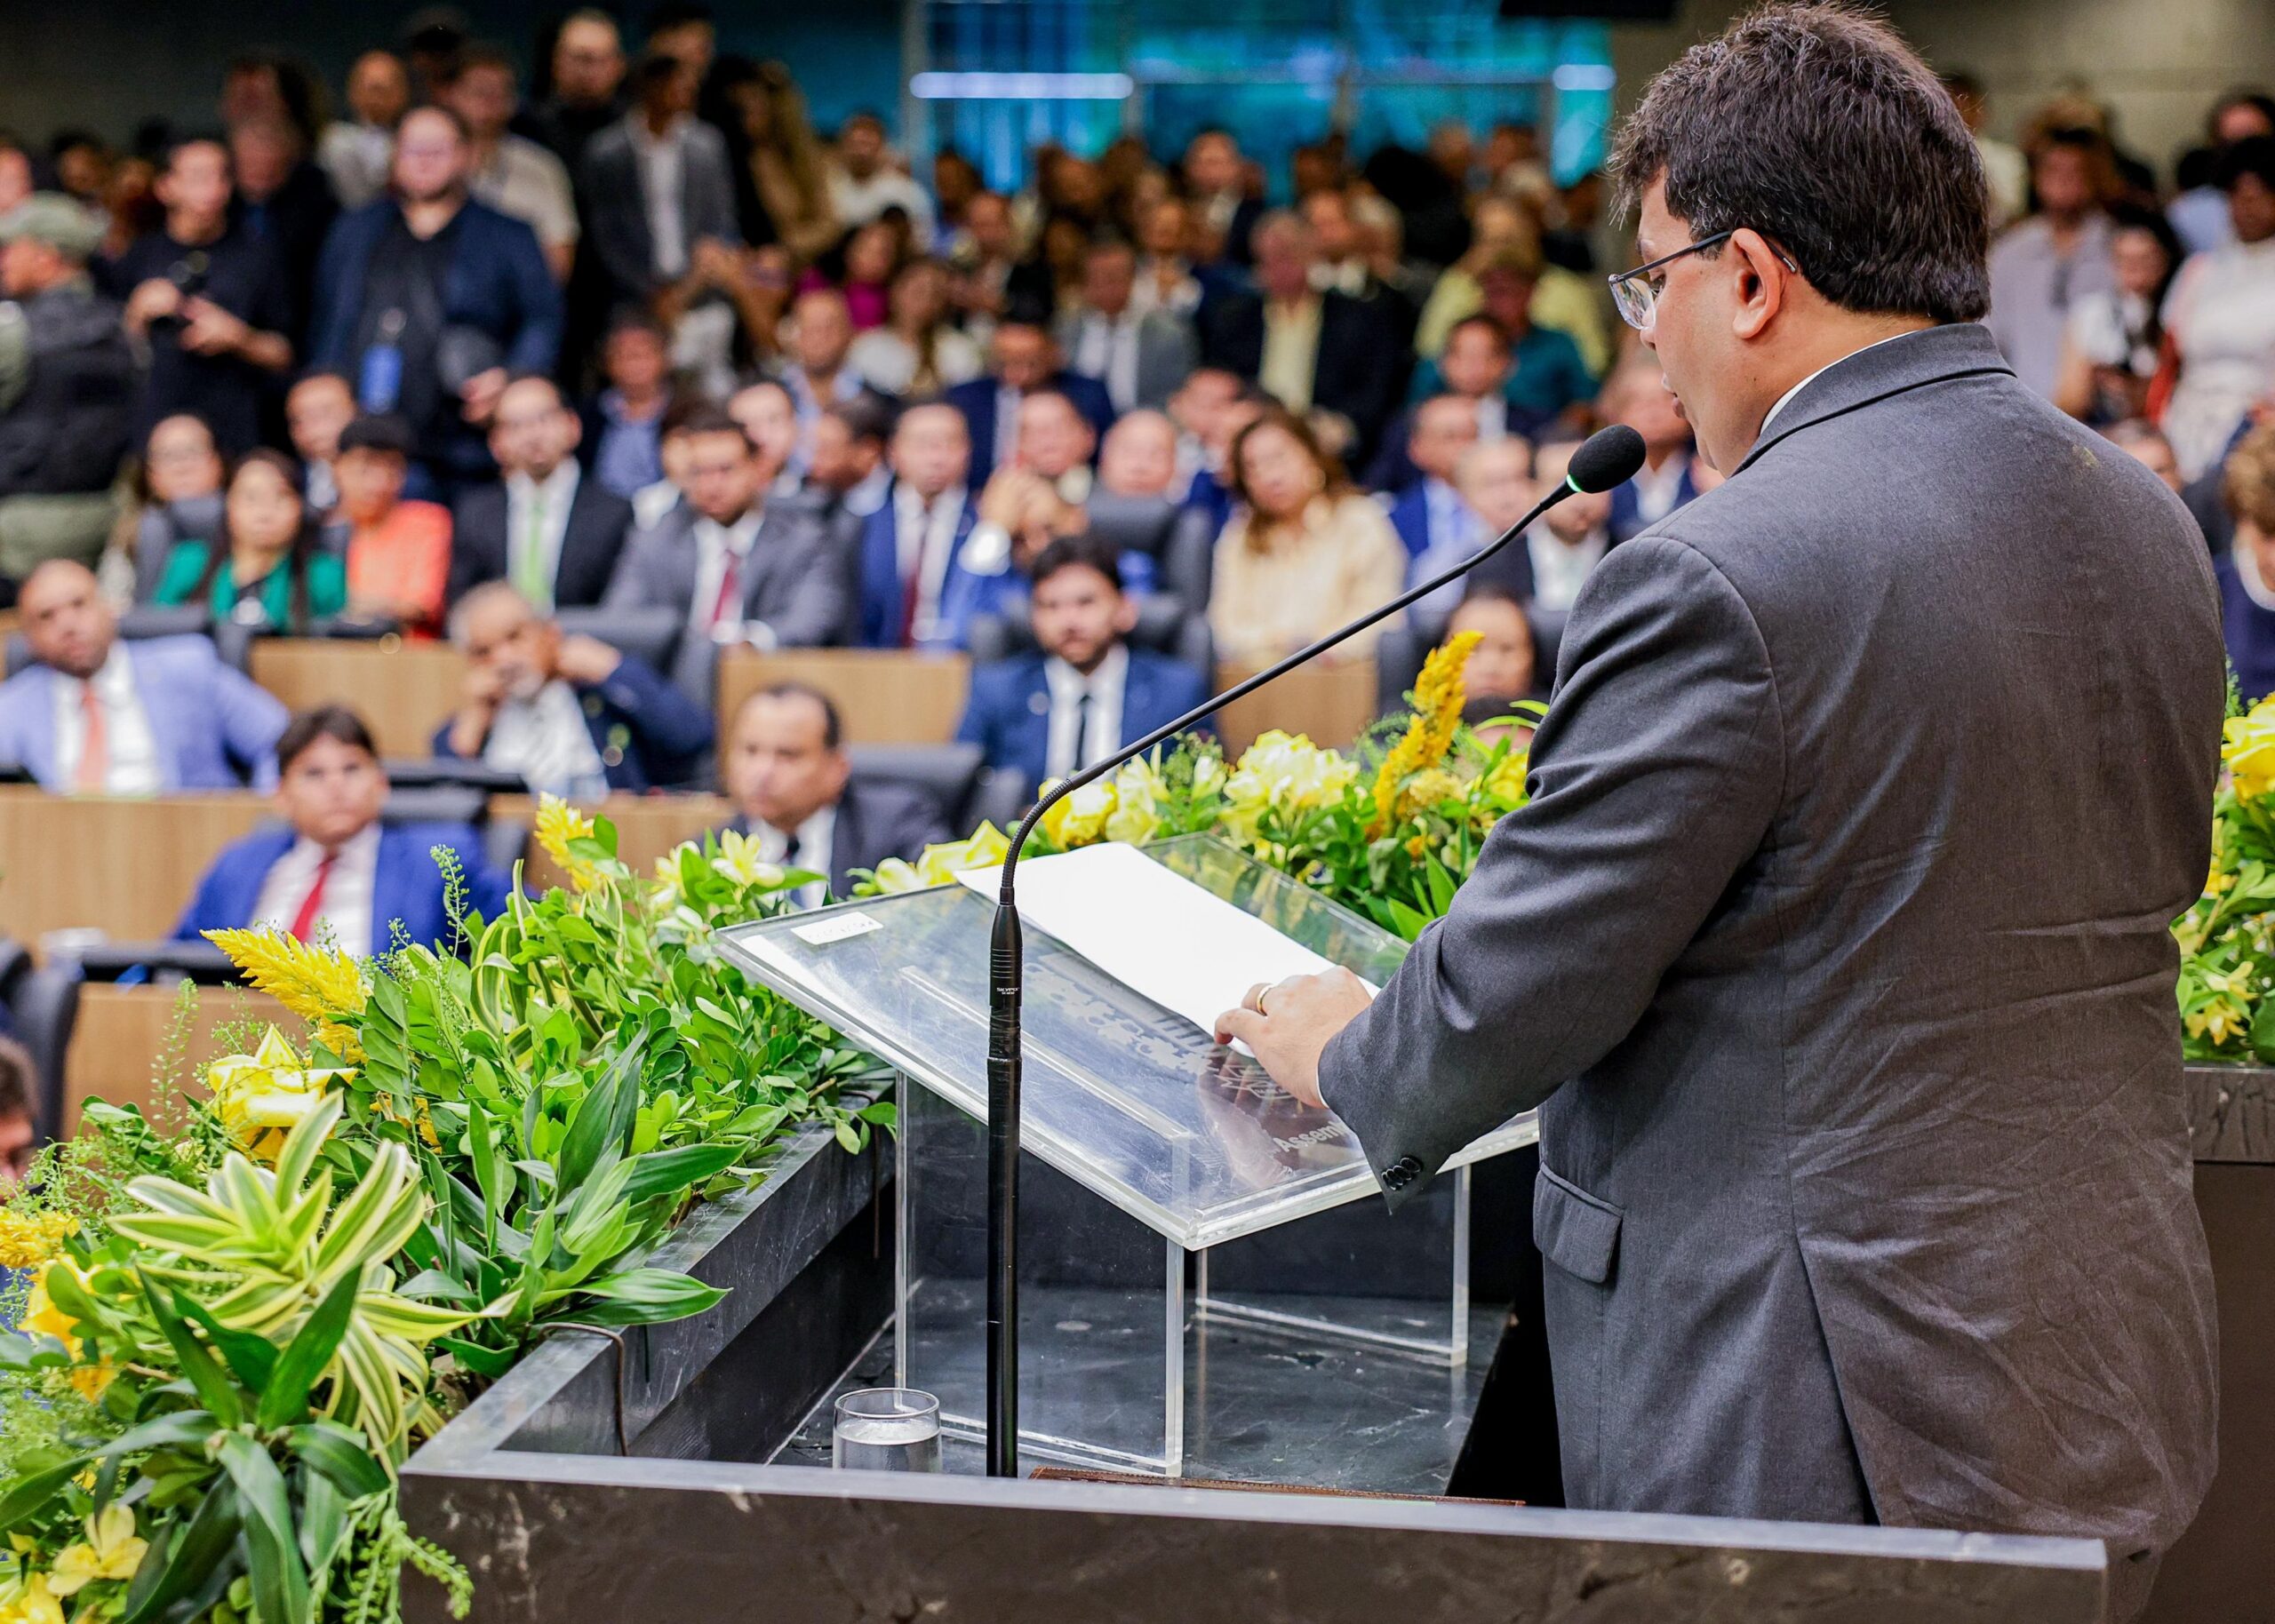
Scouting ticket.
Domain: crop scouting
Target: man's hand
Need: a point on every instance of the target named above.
(586, 660)
(480, 692)
(1289, 1023)
(151, 299)
(211, 330)
(481, 392)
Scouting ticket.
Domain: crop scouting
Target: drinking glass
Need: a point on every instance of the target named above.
(887, 1430)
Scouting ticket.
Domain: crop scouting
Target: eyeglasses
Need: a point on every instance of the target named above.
(1638, 296)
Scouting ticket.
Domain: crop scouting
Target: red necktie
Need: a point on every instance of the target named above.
(305, 920)
(730, 603)
(94, 745)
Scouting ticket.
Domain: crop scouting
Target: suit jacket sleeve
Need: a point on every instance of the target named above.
(668, 721)
(331, 324)
(1654, 779)
(815, 610)
(972, 729)
(627, 587)
(251, 719)
(537, 298)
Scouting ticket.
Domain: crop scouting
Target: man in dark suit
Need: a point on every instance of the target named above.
(334, 872)
(1022, 358)
(786, 769)
(1141, 355)
(1834, 944)
(1083, 692)
(910, 545)
(1429, 515)
(573, 716)
(1313, 351)
(547, 528)
(1638, 396)
(743, 569)
(645, 241)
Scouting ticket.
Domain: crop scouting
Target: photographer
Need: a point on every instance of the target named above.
(208, 300)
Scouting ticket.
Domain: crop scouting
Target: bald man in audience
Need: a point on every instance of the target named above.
(94, 714)
(1430, 516)
(1495, 485)
(1139, 456)
(785, 767)
(1055, 443)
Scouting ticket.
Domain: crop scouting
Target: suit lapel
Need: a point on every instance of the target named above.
(39, 726)
(1910, 360)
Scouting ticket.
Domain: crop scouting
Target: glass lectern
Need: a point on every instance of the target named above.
(1165, 1180)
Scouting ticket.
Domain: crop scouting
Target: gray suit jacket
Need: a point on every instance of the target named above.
(1834, 941)
(615, 194)
(1167, 352)
(795, 581)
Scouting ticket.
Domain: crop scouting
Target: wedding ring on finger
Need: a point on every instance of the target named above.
(1255, 998)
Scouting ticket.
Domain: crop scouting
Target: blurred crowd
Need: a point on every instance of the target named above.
(603, 325)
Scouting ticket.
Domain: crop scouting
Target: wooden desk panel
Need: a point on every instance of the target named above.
(884, 696)
(646, 826)
(402, 690)
(1333, 704)
(124, 1032)
(126, 867)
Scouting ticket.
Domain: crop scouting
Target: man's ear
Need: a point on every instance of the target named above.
(1762, 274)
(1125, 616)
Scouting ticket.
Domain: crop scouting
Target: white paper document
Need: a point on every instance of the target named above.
(1157, 932)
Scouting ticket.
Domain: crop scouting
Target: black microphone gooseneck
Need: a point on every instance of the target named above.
(1609, 458)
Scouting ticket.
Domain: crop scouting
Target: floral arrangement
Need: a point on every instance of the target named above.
(2227, 953)
(1390, 831)
(242, 1312)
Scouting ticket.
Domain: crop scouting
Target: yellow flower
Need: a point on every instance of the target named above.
(1506, 782)
(666, 893)
(313, 984)
(894, 875)
(112, 1549)
(739, 864)
(43, 1317)
(260, 1096)
(2220, 1020)
(30, 1601)
(936, 865)
(1136, 794)
(1438, 696)
(1283, 770)
(2248, 747)
(29, 1239)
(1080, 819)
(557, 823)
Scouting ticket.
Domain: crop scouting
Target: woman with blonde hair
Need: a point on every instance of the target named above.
(916, 352)
(785, 157)
(1304, 552)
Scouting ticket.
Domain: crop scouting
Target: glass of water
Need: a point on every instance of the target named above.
(887, 1430)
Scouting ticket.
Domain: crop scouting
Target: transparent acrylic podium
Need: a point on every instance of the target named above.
(1167, 1183)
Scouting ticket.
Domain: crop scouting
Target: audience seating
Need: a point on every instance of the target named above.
(402, 689)
(886, 697)
(115, 1037)
(1181, 541)
(125, 867)
(40, 1000)
(954, 775)
(146, 620)
(1330, 701)
(646, 826)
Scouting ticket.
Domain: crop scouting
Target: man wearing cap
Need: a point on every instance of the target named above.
(66, 388)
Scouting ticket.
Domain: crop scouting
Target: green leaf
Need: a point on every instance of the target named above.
(285, 1399)
(487, 1166)
(1404, 919)
(189, 1560)
(341, 1455)
(280, 1579)
(645, 1297)
(33, 1491)
(215, 1390)
(603, 1118)
(668, 1172)
(488, 1363)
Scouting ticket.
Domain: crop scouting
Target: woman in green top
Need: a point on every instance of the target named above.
(266, 569)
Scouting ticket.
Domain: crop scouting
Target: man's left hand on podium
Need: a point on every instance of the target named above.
(1289, 1024)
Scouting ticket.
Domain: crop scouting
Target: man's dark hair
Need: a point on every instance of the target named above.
(1820, 128)
(336, 722)
(484, 53)
(1490, 591)
(636, 318)
(707, 418)
(19, 1096)
(678, 14)
(1480, 319)
(655, 69)
(180, 142)
(865, 416)
(379, 432)
(833, 726)
(1073, 552)
(2253, 155)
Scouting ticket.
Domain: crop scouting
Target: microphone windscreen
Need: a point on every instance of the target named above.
(1608, 459)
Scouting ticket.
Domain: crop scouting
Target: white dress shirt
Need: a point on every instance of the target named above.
(344, 917)
(1455, 534)
(923, 539)
(1492, 418)
(1657, 492)
(128, 742)
(537, 510)
(1106, 347)
(545, 740)
(1559, 568)
(663, 179)
(716, 546)
(816, 840)
(1068, 688)
(1183, 295)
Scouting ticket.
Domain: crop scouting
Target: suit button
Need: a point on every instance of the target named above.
(1401, 1173)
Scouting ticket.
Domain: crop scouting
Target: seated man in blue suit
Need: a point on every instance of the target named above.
(1084, 692)
(99, 716)
(1638, 396)
(335, 872)
(1022, 358)
(912, 541)
(573, 716)
(1429, 514)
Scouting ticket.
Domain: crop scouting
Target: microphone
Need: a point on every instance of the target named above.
(1609, 458)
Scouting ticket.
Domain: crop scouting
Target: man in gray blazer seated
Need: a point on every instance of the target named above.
(742, 569)
(1141, 357)
(1832, 944)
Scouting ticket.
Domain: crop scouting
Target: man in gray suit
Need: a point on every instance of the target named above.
(741, 568)
(1832, 944)
(1141, 357)
(655, 185)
